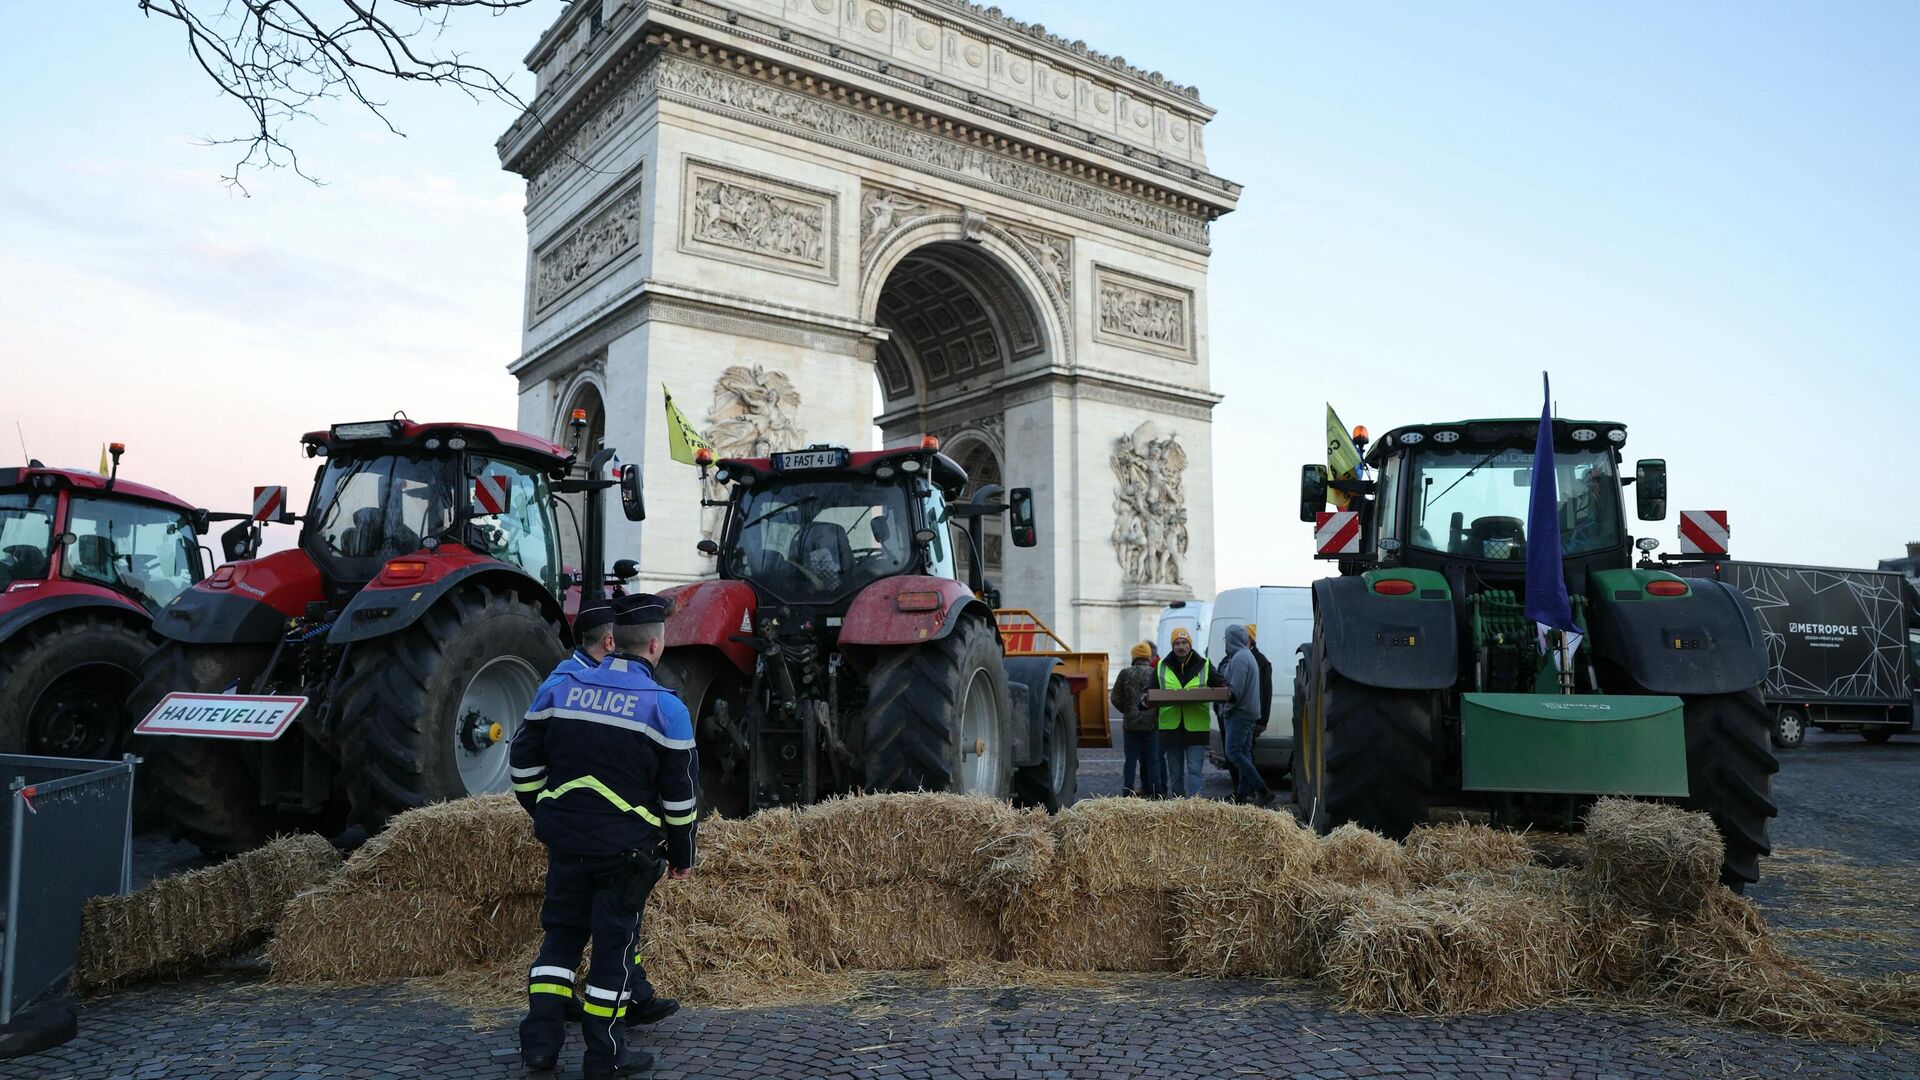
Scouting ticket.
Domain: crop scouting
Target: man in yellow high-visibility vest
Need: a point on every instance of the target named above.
(1183, 728)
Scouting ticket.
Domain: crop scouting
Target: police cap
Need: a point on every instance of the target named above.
(592, 617)
(640, 609)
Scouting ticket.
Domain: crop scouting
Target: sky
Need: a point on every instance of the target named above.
(1700, 218)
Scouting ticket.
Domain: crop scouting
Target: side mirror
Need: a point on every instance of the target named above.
(65, 538)
(1650, 488)
(1313, 491)
(1026, 533)
(202, 521)
(881, 529)
(240, 542)
(707, 548)
(632, 503)
(625, 569)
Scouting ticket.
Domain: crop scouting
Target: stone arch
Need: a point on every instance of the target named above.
(583, 391)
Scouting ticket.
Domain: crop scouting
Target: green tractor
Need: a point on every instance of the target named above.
(1425, 684)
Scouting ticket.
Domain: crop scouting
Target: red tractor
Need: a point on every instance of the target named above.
(406, 634)
(837, 652)
(85, 562)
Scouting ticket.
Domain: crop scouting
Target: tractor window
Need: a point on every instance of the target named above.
(1387, 486)
(816, 542)
(516, 526)
(380, 507)
(940, 553)
(148, 552)
(26, 536)
(1473, 503)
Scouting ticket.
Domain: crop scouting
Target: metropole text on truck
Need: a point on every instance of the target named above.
(1843, 646)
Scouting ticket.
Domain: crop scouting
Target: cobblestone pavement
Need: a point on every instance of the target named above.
(1837, 795)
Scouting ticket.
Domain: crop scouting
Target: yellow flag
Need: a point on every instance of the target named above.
(682, 440)
(1343, 459)
(104, 464)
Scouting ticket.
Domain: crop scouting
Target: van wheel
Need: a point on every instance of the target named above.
(1789, 728)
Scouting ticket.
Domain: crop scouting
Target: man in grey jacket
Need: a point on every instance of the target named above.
(1240, 715)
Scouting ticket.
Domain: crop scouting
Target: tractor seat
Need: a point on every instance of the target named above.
(821, 539)
(28, 562)
(1492, 528)
(93, 557)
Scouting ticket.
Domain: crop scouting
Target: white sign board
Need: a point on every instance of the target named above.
(222, 716)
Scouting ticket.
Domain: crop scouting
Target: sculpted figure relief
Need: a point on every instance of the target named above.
(755, 413)
(1144, 315)
(1149, 506)
(589, 248)
(748, 219)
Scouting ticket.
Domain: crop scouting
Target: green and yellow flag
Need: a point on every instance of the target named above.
(1343, 459)
(104, 463)
(683, 442)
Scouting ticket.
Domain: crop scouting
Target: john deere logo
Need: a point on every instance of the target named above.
(1570, 706)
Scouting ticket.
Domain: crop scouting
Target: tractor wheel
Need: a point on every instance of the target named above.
(1730, 769)
(1368, 754)
(203, 788)
(1056, 780)
(429, 713)
(1789, 728)
(63, 692)
(936, 716)
(703, 680)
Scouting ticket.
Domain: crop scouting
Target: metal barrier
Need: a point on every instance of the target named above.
(68, 838)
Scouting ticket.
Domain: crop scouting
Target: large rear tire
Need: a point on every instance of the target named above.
(203, 788)
(936, 716)
(1055, 782)
(1368, 753)
(429, 713)
(1730, 767)
(703, 679)
(64, 687)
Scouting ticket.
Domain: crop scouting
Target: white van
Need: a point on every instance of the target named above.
(1284, 616)
(1190, 615)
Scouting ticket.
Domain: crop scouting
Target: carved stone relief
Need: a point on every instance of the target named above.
(755, 413)
(1142, 314)
(625, 102)
(1149, 506)
(589, 248)
(884, 212)
(1053, 254)
(758, 220)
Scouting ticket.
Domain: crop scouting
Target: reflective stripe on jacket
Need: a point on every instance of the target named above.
(1194, 715)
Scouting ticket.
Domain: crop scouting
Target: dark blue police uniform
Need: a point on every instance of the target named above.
(605, 763)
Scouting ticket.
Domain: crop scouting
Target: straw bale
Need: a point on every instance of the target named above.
(176, 923)
(1351, 855)
(1061, 925)
(345, 934)
(480, 847)
(970, 842)
(1263, 933)
(1443, 951)
(1436, 851)
(1122, 845)
(906, 926)
(1652, 858)
(761, 849)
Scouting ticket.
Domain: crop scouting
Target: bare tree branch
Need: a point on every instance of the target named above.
(278, 58)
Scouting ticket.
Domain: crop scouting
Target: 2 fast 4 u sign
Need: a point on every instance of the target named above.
(222, 716)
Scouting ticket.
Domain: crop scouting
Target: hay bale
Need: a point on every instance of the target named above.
(1656, 859)
(347, 935)
(1062, 926)
(1263, 933)
(1351, 855)
(179, 922)
(761, 849)
(1446, 951)
(901, 927)
(1435, 852)
(481, 848)
(1122, 845)
(981, 845)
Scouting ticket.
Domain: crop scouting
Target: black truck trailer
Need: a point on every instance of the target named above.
(1843, 646)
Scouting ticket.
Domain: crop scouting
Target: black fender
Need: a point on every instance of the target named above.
(1027, 678)
(204, 617)
(376, 613)
(1393, 642)
(1706, 642)
(26, 615)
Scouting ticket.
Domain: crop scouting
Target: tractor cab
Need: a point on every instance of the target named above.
(72, 531)
(394, 488)
(810, 529)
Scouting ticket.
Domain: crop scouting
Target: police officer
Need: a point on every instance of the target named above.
(593, 637)
(605, 764)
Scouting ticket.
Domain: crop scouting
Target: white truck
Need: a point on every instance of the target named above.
(1283, 616)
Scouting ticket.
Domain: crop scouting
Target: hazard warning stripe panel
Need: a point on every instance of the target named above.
(1703, 532)
(268, 502)
(1336, 533)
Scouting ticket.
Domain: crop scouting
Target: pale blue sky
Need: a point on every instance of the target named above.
(1701, 218)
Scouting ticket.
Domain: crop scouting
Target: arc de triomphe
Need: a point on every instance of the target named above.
(783, 210)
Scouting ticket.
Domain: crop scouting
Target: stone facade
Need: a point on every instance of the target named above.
(775, 206)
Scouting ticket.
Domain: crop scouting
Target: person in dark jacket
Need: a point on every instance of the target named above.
(593, 638)
(1140, 725)
(1238, 718)
(1184, 727)
(605, 763)
(1266, 679)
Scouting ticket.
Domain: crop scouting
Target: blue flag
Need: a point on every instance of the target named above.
(1546, 600)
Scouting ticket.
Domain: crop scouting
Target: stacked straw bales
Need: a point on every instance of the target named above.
(179, 922)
